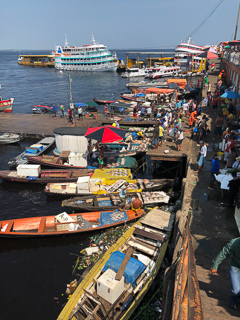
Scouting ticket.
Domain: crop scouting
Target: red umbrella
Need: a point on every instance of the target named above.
(106, 134)
(208, 54)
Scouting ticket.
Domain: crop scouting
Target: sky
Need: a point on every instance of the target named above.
(122, 24)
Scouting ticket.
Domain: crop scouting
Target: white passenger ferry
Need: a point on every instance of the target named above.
(186, 51)
(164, 71)
(93, 57)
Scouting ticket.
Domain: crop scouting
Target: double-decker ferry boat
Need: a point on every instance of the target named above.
(93, 57)
(164, 71)
(185, 52)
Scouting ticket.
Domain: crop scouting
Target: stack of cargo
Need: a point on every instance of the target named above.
(83, 185)
(28, 170)
(77, 159)
(34, 148)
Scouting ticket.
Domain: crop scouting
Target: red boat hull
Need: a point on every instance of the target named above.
(6, 105)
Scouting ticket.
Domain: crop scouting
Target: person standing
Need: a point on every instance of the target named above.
(156, 136)
(122, 196)
(228, 145)
(90, 151)
(106, 110)
(70, 118)
(54, 110)
(179, 138)
(233, 185)
(218, 128)
(80, 114)
(203, 154)
(149, 111)
(62, 110)
(155, 112)
(161, 131)
(214, 170)
(135, 113)
(100, 158)
(232, 250)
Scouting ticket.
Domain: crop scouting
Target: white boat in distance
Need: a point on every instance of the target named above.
(185, 52)
(164, 71)
(135, 72)
(93, 57)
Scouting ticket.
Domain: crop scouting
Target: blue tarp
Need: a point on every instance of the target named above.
(32, 178)
(133, 269)
(106, 218)
(141, 94)
(104, 203)
(80, 104)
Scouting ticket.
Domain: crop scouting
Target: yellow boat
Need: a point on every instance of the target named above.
(113, 290)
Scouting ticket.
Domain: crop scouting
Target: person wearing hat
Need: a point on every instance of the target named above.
(236, 164)
(122, 196)
(203, 153)
(214, 170)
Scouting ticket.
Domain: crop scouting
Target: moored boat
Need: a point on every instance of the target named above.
(99, 101)
(43, 145)
(117, 283)
(106, 202)
(9, 138)
(64, 224)
(45, 176)
(102, 186)
(93, 57)
(6, 105)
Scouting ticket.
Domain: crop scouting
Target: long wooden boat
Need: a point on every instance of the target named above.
(46, 143)
(126, 272)
(112, 202)
(139, 185)
(46, 176)
(99, 101)
(64, 224)
(57, 162)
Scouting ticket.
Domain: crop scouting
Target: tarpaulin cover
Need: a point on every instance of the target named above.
(92, 104)
(76, 131)
(80, 104)
(106, 174)
(180, 82)
(107, 217)
(141, 94)
(104, 203)
(159, 90)
(133, 269)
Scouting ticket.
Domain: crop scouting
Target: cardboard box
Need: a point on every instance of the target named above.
(108, 288)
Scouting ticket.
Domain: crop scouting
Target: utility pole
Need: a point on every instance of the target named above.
(235, 36)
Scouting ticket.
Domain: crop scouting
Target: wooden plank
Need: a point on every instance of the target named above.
(152, 231)
(146, 234)
(159, 219)
(9, 226)
(42, 225)
(142, 247)
(124, 264)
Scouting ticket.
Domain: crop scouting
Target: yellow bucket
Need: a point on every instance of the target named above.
(220, 155)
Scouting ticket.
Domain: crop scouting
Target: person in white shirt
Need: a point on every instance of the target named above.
(203, 153)
(149, 111)
(236, 164)
(179, 138)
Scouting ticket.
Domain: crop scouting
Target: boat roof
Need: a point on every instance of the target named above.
(119, 105)
(70, 131)
(36, 56)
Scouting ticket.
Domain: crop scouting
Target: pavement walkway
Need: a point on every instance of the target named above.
(213, 225)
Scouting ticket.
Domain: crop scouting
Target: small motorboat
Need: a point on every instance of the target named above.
(8, 138)
(41, 109)
(99, 101)
(64, 224)
(111, 202)
(45, 176)
(43, 145)
(118, 281)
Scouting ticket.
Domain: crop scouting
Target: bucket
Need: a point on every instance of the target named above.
(220, 155)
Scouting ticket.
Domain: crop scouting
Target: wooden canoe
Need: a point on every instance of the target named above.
(51, 161)
(47, 226)
(66, 189)
(143, 241)
(46, 176)
(112, 202)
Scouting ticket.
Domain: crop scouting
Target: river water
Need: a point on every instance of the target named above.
(34, 273)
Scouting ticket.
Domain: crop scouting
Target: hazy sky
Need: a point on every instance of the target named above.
(122, 24)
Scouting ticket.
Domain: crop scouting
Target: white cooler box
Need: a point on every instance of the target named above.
(29, 170)
(77, 159)
(108, 288)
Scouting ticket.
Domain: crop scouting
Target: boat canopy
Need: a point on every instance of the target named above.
(70, 131)
(159, 90)
(119, 105)
(180, 82)
(92, 104)
(80, 104)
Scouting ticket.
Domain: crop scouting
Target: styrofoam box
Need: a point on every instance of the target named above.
(77, 160)
(83, 182)
(108, 288)
(29, 170)
(63, 217)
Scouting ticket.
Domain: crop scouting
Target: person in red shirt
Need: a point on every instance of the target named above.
(214, 103)
(229, 144)
(192, 118)
(70, 118)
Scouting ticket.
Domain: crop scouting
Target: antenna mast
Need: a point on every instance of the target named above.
(235, 36)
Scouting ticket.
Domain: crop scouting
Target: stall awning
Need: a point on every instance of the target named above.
(180, 82)
(159, 90)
